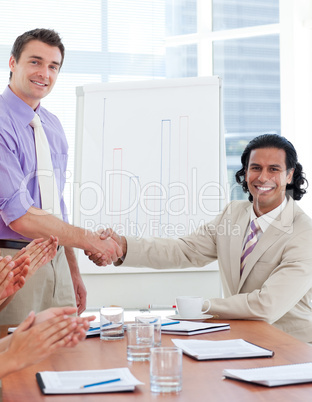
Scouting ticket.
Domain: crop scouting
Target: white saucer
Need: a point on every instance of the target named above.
(200, 318)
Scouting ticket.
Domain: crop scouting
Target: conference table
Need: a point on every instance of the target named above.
(202, 380)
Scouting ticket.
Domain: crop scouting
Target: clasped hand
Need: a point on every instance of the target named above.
(109, 245)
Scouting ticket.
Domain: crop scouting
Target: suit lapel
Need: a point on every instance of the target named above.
(278, 228)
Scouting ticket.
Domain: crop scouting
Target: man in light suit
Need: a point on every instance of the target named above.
(274, 282)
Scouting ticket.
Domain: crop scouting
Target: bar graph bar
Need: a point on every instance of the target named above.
(116, 189)
(165, 168)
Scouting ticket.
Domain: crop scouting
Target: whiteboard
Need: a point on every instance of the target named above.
(149, 158)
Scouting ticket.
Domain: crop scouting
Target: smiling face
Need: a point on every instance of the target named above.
(36, 71)
(267, 177)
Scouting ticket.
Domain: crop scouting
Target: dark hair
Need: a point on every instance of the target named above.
(297, 188)
(48, 36)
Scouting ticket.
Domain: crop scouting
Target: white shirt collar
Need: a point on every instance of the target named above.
(266, 219)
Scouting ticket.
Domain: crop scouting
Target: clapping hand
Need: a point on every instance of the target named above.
(81, 328)
(40, 252)
(39, 336)
(12, 275)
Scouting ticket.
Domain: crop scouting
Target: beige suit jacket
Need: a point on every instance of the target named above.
(276, 285)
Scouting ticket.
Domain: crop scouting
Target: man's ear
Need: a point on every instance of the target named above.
(12, 63)
(290, 175)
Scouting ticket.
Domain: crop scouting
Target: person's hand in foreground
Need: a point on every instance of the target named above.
(40, 252)
(15, 271)
(98, 258)
(81, 329)
(12, 275)
(32, 342)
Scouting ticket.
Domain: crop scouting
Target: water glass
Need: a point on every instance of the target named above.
(140, 340)
(111, 323)
(156, 321)
(166, 370)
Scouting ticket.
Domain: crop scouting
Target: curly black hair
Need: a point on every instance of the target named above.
(297, 188)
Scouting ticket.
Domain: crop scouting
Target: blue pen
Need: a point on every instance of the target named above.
(147, 322)
(101, 383)
(170, 323)
(94, 329)
(106, 325)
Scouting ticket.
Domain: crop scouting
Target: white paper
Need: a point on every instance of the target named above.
(228, 349)
(67, 382)
(274, 376)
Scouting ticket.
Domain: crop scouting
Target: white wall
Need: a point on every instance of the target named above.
(296, 83)
(141, 289)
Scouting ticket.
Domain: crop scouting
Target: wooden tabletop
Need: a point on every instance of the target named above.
(202, 380)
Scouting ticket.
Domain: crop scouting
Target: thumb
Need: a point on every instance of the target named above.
(113, 235)
(27, 323)
(106, 233)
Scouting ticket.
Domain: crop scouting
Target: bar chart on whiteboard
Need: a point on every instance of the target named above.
(148, 157)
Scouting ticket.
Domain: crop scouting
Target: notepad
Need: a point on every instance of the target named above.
(193, 328)
(72, 382)
(273, 376)
(227, 349)
(94, 329)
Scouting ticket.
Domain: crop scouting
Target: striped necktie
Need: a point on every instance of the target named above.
(250, 243)
(50, 201)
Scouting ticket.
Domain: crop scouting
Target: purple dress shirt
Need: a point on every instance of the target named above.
(19, 188)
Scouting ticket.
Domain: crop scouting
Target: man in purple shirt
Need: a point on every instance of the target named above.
(35, 62)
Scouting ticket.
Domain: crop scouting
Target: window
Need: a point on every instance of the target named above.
(248, 62)
(119, 40)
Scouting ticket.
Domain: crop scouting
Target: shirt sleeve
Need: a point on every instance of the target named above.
(286, 287)
(195, 250)
(15, 199)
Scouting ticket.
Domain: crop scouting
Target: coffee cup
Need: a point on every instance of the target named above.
(191, 306)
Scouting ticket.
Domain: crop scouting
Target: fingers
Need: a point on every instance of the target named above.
(52, 249)
(97, 258)
(29, 248)
(111, 253)
(55, 328)
(21, 282)
(34, 242)
(6, 265)
(81, 330)
(106, 233)
(67, 310)
(20, 263)
(64, 331)
(41, 253)
(85, 321)
(27, 323)
(4, 285)
(78, 336)
(14, 280)
(60, 328)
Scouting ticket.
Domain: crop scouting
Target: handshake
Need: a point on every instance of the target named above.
(111, 248)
